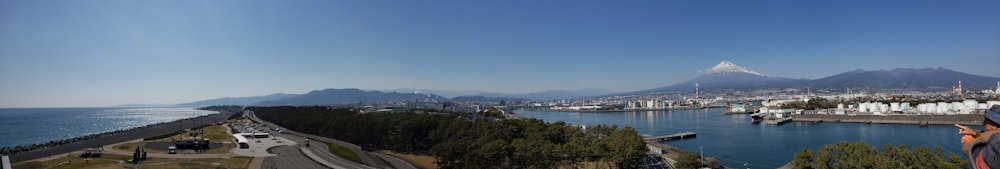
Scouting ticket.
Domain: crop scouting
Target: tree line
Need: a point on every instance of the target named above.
(862, 155)
(460, 142)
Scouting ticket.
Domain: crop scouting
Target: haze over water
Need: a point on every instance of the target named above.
(735, 141)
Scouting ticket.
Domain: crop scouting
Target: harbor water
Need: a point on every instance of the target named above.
(24, 126)
(735, 141)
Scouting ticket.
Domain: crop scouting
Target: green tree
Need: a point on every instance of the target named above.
(803, 159)
(460, 143)
(862, 155)
(688, 160)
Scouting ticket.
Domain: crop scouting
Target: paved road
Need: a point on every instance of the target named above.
(371, 160)
(288, 157)
(322, 151)
(654, 161)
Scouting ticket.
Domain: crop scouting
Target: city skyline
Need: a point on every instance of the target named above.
(91, 54)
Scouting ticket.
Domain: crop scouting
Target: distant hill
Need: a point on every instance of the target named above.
(345, 96)
(925, 79)
(443, 93)
(236, 101)
(143, 105)
(483, 99)
(552, 94)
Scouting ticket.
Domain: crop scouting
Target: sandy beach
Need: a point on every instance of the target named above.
(149, 131)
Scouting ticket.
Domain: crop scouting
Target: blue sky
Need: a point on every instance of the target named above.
(103, 53)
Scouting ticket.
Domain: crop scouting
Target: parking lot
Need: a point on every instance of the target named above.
(258, 146)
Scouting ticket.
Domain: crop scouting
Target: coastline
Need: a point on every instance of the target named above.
(962, 119)
(132, 134)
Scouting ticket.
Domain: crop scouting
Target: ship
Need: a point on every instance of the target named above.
(757, 117)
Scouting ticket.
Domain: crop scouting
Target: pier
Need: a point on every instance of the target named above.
(672, 136)
(777, 121)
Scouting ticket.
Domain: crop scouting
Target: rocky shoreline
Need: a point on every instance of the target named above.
(964, 119)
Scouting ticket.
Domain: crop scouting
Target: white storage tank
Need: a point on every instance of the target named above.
(958, 107)
(971, 104)
(991, 103)
(943, 107)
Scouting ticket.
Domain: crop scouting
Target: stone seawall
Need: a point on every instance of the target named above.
(967, 119)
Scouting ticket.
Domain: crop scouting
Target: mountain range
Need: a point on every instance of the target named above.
(725, 75)
(542, 95)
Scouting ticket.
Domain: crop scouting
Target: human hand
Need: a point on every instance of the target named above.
(965, 130)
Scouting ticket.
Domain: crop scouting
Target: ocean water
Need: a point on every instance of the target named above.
(735, 141)
(24, 126)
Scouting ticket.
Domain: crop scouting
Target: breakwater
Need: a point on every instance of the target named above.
(964, 119)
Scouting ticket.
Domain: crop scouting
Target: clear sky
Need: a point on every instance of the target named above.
(104, 53)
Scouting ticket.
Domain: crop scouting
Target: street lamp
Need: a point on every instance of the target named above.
(702, 149)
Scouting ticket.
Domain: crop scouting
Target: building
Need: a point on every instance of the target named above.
(998, 88)
(957, 90)
(646, 104)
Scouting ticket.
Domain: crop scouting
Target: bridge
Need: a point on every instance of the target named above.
(672, 136)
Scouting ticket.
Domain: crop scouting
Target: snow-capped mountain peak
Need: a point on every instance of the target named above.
(729, 67)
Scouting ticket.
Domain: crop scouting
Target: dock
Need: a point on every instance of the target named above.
(672, 136)
(777, 121)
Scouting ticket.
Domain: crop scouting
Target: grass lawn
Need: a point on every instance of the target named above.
(343, 152)
(215, 133)
(420, 161)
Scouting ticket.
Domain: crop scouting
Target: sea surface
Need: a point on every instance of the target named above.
(24, 126)
(736, 141)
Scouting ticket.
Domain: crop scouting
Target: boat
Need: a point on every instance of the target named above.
(757, 117)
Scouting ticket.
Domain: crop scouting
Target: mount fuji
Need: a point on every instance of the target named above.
(727, 75)
(728, 67)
